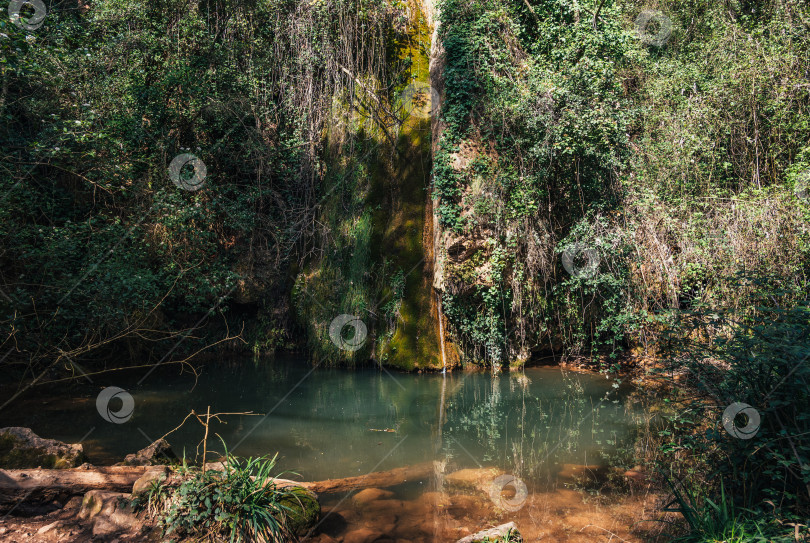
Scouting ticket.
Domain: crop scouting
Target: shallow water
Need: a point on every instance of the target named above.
(331, 423)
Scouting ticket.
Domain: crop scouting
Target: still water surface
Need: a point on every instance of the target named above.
(327, 423)
(332, 423)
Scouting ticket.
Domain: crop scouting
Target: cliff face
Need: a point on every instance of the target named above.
(376, 269)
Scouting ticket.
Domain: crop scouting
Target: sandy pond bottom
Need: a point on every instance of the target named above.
(376, 515)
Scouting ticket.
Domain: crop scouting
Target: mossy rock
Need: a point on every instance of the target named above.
(304, 509)
(21, 448)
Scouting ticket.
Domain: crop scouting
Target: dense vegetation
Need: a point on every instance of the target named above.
(617, 177)
(661, 163)
(103, 255)
(609, 179)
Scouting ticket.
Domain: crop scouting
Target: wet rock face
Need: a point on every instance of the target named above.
(21, 448)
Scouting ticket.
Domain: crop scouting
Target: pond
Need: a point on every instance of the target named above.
(542, 426)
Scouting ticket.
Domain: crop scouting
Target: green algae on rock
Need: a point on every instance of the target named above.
(21, 448)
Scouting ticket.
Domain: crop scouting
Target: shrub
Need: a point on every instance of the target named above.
(240, 503)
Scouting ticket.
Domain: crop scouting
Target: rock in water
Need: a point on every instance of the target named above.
(21, 448)
(368, 495)
(504, 532)
(478, 479)
(158, 452)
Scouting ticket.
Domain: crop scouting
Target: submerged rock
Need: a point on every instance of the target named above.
(503, 532)
(21, 448)
(479, 479)
(369, 495)
(362, 535)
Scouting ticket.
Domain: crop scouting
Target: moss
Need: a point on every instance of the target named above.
(415, 343)
(304, 510)
(375, 212)
(15, 455)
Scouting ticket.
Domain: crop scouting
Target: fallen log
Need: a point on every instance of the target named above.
(376, 479)
(48, 485)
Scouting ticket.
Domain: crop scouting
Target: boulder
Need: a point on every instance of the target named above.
(21, 448)
(159, 452)
(110, 513)
(504, 532)
(304, 511)
(156, 474)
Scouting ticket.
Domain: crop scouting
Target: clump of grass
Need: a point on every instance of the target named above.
(720, 521)
(239, 503)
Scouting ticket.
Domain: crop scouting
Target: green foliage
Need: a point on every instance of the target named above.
(760, 358)
(562, 126)
(100, 248)
(239, 503)
(722, 521)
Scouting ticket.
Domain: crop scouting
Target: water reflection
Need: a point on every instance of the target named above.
(332, 423)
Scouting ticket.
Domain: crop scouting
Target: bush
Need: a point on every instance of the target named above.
(240, 503)
(758, 470)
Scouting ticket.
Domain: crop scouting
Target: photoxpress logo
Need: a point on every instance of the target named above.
(34, 21)
(420, 100)
(181, 178)
(500, 492)
(124, 413)
(580, 261)
(340, 335)
(729, 420)
(653, 28)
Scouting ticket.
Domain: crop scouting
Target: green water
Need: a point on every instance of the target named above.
(322, 422)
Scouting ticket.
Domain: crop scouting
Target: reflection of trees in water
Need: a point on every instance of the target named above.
(529, 435)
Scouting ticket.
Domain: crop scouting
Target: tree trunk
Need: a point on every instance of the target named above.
(47, 485)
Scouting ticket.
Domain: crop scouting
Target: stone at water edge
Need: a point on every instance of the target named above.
(158, 452)
(493, 534)
(305, 509)
(153, 475)
(21, 448)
